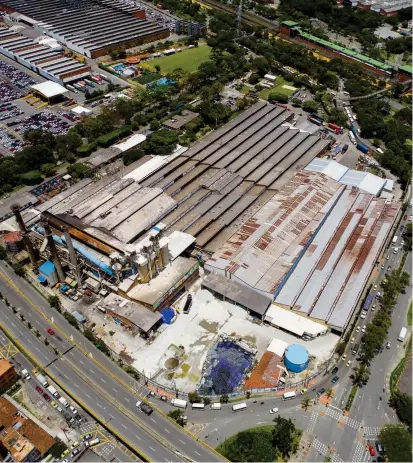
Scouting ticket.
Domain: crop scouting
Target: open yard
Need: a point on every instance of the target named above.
(281, 86)
(188, 60)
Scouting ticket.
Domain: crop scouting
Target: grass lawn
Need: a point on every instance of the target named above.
(188, 60)
(278, 88)
(148, 77)
(409, 315)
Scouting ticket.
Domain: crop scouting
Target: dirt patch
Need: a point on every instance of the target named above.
(126, 357)
(185, 367)
(211, 327)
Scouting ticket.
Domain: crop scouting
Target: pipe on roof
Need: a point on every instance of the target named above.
(81, 250)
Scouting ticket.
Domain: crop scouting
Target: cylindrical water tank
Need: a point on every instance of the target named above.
(164, 251)
(296, 358)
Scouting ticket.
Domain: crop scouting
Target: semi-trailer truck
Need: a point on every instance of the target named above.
(362, 148)
(53, 391)
(179, 403)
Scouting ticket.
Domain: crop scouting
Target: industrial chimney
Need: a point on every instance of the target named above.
(26, 240)
(53, 249)
(72, 255)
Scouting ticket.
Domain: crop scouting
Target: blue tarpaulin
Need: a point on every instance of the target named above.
(168, 315)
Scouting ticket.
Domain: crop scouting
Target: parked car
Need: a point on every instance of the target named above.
(334, 370)
(47, 397)
(388, 345)
(274, 410)
(39, 389)
(321, 392)
(372, 451)
(335, 379)
(87, 437)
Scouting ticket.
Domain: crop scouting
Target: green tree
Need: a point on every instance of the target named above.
(402, 402)
(19, 269)
(224, 399)
(361, 374)
(283, 436)
(397, 441)
(178, 416)
(3, 253)
(193, 397)
(329, 392)
(278, 97)
(131, 156)
(163, 141)
(305, 403)
(48, 169)
(310, 106)
(340, 348)
(54, 301)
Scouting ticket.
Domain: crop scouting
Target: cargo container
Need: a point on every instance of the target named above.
(368, 301)
(215, 406)
(362, 148)
(352, 138)
(239, 407)
(334, 126)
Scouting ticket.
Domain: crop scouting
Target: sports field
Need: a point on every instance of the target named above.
(188, 60)
(281, 86)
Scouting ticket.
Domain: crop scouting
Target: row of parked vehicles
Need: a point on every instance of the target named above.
(85, 85)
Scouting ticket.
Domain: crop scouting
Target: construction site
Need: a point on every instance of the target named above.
(272, 244)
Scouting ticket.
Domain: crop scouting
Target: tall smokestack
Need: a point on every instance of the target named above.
(72, 255)
(26, 240)
(53, 250)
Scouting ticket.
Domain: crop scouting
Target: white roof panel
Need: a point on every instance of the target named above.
(278, 347)
(49, 89)
(372, 184)
(335, 170)
(131, 142)
(177, 243)
(293, 322)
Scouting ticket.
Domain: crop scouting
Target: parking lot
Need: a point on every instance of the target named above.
(17, 77)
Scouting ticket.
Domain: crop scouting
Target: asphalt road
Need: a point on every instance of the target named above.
(103, 381)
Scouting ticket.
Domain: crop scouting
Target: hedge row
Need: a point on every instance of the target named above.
(109, 138)
(86, 150)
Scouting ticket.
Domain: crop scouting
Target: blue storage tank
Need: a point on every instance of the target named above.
(296, 358)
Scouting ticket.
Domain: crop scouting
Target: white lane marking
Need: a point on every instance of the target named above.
(114, 389)
(182, 441)
(111, 416)
(153, 450)
(81, 362)
(12, 324)
(92, 371)
(100, 406)
(37, 349)
(169, 432)
(138, 437)
(74, 384)
(127, 400)
(103, 381)
(197, 453)
(87, 395)
(29, 341)
(124, 426)
(153, 420)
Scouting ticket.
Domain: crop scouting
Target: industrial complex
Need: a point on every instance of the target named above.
(92, 28)
(253, 216)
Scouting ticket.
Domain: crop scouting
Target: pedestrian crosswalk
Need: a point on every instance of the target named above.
(325, 451)
(360, 454)
(311, 424)
(334, 413)
(87, 427)
(104, 450)
(372, 431)
(353, 423)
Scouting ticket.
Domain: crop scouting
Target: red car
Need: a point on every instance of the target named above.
(50, 331)
(372, 451)
(39, 389)
(48, 398)
(405, 217)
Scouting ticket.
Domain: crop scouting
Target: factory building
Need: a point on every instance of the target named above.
(311, 248)
(92, 27)
(46, 61)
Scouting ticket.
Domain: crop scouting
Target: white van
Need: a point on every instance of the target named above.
(215, 406)
(239, 407)
(198, 406)
(395, 250)
(179, 403)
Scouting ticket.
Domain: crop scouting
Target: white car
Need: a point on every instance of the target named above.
(358, 329)
(363, 315)
(274, 410)
(388, 345)
(388, 257)
(348, 363)
(373, 307)
(410, 218)
(363, 330)
(375, 287)
(352, 340)
(73, 409)
(344, 357)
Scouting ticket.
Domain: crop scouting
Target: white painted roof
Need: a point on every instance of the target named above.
(80, 110)
(389, 185)
(278, 347)
(49, 89)
(292, 322)
(178, 242)
(131, 142)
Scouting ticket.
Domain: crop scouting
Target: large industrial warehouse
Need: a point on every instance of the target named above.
(46, 61)
(90, 27)
(311, 248)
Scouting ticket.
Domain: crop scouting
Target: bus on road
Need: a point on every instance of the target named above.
(289, 395)
(179, 403)
(239, 407)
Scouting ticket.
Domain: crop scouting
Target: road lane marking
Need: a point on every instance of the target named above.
(103, 381)
(169, 432)
(81, 362)
(114, 389)
(153, 450)
(87, 395)
(138, 437)
(92, 371)
(124, 426)
(153, 420)
(100, 406)
(197, 453)
(182, 441)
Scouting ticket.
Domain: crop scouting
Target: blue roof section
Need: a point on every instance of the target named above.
(47, 268)
(79, 317)
(297, 354)
(41, 278)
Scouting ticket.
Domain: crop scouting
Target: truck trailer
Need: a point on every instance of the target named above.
(362, 148)
(402, 335)
(179, 403)
(42, 380)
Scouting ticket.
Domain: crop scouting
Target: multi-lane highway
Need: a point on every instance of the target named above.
(93, 380)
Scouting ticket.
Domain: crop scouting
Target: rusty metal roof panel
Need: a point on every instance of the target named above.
(356, 248)
(262, 251)
(364, 266)
(297, 282)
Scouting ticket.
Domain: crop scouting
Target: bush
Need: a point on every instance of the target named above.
(110, 138)
(341, 347)
(310, 106)
(85, 150)
(131, 156)
(79, 170)
(33, 177)
(279, 97)
(193, 397)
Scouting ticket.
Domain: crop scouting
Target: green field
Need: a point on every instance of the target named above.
(188, 60)
(278, 88)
